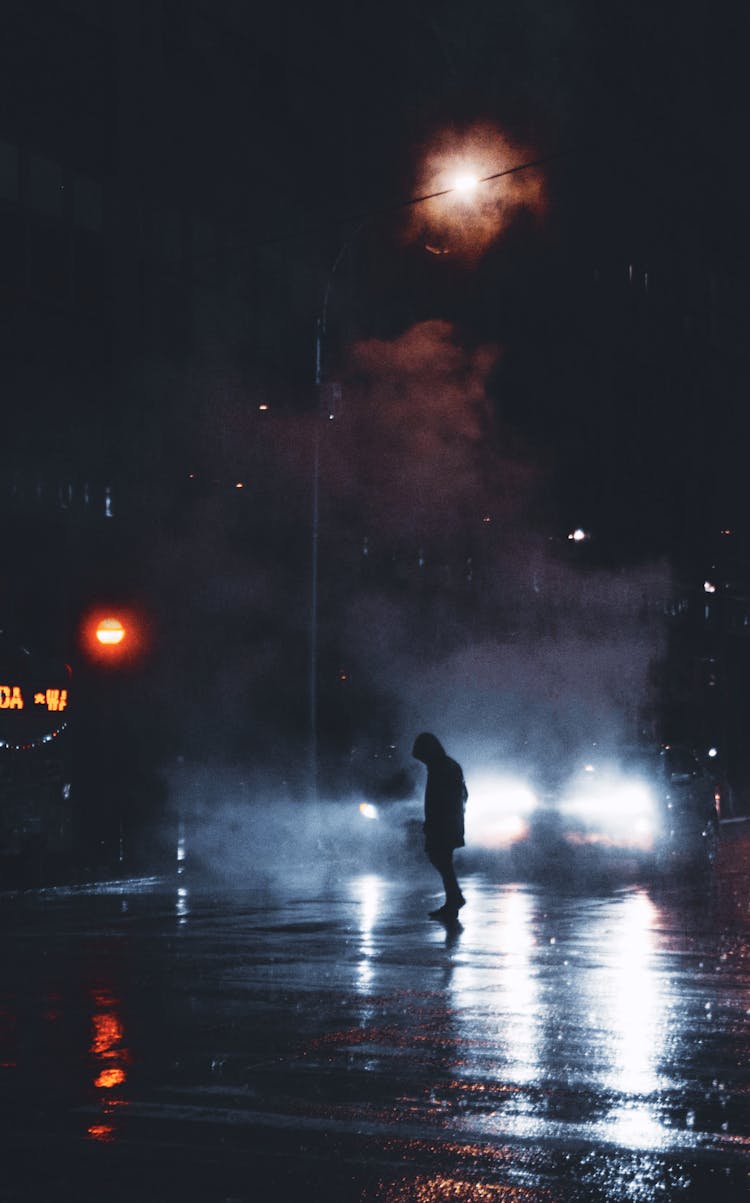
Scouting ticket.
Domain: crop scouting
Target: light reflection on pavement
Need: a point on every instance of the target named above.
(558, 1044)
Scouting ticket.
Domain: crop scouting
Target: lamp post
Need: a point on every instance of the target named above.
(320, 416)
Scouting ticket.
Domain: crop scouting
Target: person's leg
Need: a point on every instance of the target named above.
(442, 859)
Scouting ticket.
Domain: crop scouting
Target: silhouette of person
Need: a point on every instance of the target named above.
(444, 802)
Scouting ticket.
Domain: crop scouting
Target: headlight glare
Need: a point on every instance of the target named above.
(498, 810)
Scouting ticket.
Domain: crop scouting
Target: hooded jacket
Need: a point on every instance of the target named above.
(445, 794)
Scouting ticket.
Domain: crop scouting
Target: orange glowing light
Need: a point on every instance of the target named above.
(109, 1078)
(114, 638)
(101, 1132)
(110, 631)
(107, 1034)
(11, 697)
(474, 181)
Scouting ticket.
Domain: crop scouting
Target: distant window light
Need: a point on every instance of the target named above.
(88, 204)
(108, 510)
(45, 186)
(10, 171)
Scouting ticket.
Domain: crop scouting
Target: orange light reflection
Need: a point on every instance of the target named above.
(112, 1056)
(109, 1078)
(440, 1188)
(102, 1132)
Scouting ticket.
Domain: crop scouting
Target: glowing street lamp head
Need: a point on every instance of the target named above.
(471, 181)
(465, 183)
(110, 632)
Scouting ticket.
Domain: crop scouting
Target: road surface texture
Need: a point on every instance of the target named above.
(325, 1040)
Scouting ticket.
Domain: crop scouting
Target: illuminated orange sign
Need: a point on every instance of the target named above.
(11, 698)
(110, 631)
(115, 638)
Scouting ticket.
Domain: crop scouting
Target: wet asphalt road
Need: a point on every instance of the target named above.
(161, 1040)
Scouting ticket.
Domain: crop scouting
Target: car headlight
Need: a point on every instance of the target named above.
(608, 799)
(497, 811)
(625, 812)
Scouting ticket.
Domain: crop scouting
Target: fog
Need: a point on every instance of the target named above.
(444, 605)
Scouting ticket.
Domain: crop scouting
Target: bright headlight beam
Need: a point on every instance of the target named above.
(498, 810)
(612, 802)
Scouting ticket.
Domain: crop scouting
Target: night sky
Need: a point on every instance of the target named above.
(614, 301)
(188, 187)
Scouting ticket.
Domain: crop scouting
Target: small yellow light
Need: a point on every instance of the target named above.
(110, 631)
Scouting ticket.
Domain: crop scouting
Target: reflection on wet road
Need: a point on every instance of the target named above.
(332, 1042)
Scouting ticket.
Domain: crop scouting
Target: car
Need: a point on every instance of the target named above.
(656, 807)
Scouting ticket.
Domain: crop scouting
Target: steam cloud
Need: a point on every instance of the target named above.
(471, 623)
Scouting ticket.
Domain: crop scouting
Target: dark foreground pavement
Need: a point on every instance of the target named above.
(161, 1041)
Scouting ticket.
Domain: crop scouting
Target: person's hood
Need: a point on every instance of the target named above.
(427, 748)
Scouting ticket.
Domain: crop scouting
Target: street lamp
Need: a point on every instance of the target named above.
(463, 184)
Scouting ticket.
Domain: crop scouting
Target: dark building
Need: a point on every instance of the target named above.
(119, 188)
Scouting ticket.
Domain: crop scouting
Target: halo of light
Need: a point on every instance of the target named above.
(115, 637)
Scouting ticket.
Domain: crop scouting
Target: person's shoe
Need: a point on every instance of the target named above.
(442, 912)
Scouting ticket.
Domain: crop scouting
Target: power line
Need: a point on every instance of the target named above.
(485, 179)
(370, 215)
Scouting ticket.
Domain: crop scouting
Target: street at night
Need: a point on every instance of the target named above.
(170, 1039)
(373, 489)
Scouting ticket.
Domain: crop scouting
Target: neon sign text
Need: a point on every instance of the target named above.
(11, 698)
